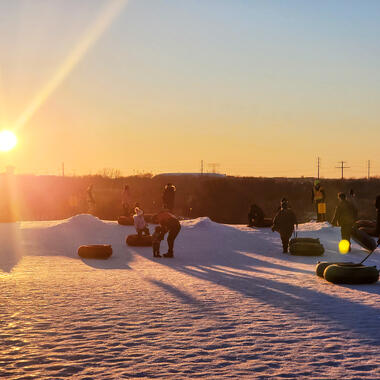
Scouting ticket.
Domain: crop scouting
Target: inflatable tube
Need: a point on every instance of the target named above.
(322, 265)
(370, 231)
(343, 274)
(365, 223)
(363, 239)
(304, 240)
(142, 241)
(267, 222)
(125, 220)
(98, 251)
(151, 218)
(306, 249)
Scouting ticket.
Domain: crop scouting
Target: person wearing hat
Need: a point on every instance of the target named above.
(168, 197)
(318, 197)
(284, 223)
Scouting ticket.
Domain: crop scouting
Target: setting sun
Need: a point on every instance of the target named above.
(8, 140)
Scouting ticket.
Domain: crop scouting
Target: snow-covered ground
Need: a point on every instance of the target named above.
(230, 304)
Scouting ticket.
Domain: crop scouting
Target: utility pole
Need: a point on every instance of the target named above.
(63, 169)
(369, 168)
(201, 166)
(342, 167)
(213, 166)
(318, 165)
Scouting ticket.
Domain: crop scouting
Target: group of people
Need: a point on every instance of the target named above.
(168, 222)
(285, 221)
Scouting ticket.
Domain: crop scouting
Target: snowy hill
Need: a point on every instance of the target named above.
(230, 304)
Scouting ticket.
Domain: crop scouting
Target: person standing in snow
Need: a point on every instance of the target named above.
(90, 200)
(284, 223)
(169, 223)
(126, 201)
(156, 241)
(139, 221)
(168, 197)
(344, 216)
(318, 196)
(255, 216)
(354, 201)
(377, 204)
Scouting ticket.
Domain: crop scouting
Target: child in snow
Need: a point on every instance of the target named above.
(156, 241)
(139, 222)
(284, 223)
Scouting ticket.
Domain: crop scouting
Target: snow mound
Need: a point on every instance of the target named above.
(203, 222)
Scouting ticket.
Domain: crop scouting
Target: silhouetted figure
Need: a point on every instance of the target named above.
(171, 224)
(318, 197)
(90, 200)
(284, 223)
(354, 201)
(255, 216)
(377, 204)
(344, 216)
(156, 241)
(168, 196)
(139, 222)
(126, 201)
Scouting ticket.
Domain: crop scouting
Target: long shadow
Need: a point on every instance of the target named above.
(10, 249)
(304, 302)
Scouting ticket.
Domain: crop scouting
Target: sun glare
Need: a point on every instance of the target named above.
(8, 140)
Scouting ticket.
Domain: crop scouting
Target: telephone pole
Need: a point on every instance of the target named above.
(318, 165)
(201, 166)
(342, 167)
(369, 168)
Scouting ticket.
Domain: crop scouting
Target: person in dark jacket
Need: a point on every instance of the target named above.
(169, 223)
(318, 196)
(377, 204)
(255, 216)
(284, 223)
(168, 196)
(345, 215)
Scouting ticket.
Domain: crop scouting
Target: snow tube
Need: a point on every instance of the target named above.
(125, 220)
(266, 222)
(365, 223)
(139, 241)
(322, 265)
(304, 240)
(371, 231)
(363, 239)
(356, 274)
(97, 251)
(306, 249)
(151, 218)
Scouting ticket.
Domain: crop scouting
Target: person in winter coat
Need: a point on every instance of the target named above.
(353, 200)
(318, 196)
(126, 201)
(169, 223)
(90, 200)
(284, 223)
(168, 196)
(377, 204)
(345, 215)
(139, 222)
(156, 241)
(255, 216)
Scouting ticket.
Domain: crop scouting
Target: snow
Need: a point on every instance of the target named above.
(230, 304)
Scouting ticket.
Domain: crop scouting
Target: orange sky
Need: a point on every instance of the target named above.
(262, 88)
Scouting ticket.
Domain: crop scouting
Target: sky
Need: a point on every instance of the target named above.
(262, 88)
